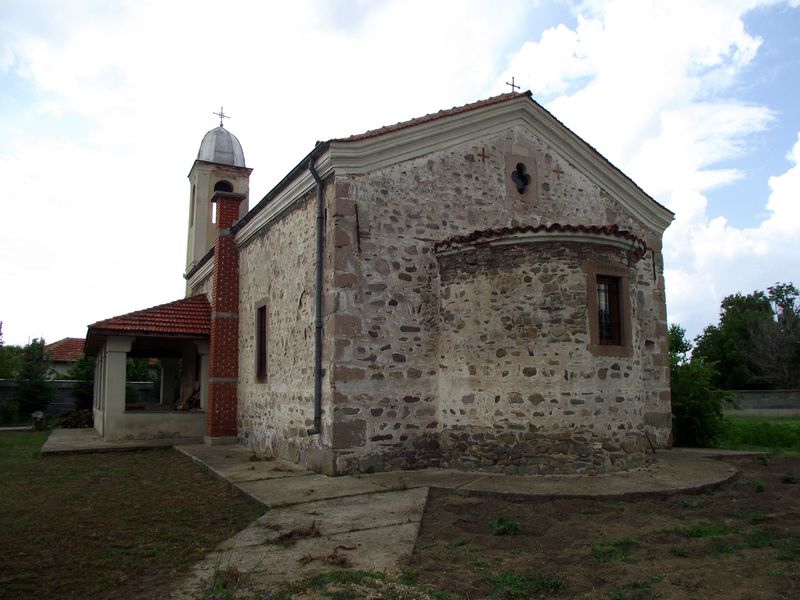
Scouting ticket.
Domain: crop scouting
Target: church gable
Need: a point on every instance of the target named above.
(467, 285)
(538, 137)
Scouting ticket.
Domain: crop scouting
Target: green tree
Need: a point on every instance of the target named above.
(775, 343)
(697, 403)
(137, 369)
(34, 391)
(728, 345)
(82, 371)
(9, 358)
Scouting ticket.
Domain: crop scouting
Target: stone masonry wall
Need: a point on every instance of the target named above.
(278, 268)
(389, 354)
(519, 389)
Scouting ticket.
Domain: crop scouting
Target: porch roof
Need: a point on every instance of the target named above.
(185, 318)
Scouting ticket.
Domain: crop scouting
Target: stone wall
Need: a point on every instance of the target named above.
(765, 402)
(395, 351)
(205, 286)
(519, 388)
(277, 269)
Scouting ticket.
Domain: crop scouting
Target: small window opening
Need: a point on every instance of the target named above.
(261, 344)
(609, 326)
(191, 207)
(223, 186)
(521, 178)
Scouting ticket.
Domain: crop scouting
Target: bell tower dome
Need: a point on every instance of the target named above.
(219, 166)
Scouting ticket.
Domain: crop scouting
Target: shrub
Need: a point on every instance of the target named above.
(34, 391)
(697, 417)
(504, 526)
(9, 413)
(82, 371)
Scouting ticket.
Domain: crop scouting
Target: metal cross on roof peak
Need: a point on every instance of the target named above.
(514, 86)
(221, 114)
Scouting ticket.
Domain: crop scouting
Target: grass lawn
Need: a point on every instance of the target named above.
(106, 525)
(775, 434)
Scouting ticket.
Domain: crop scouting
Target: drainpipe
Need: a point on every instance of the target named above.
(318, 304)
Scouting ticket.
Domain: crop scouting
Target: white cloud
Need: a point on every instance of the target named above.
(784, 201)
(125, 92)
(649, 84)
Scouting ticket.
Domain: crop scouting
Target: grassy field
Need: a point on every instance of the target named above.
(774, 434)
(106, 525)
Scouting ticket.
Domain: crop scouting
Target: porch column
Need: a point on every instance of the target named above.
(169, 369)
(115, 354)
(202, 355)
(99, 392)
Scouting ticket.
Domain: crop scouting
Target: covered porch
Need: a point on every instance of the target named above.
(174, 337)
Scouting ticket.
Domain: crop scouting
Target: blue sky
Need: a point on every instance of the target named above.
(103, 105)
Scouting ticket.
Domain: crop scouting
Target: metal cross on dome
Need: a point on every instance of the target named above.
(221, 114)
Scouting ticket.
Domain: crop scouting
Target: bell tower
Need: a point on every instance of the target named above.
(219, 167)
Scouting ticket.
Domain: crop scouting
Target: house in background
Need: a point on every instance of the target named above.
(64, 353)
(477, 288)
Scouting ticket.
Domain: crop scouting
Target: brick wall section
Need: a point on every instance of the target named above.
(224, 347)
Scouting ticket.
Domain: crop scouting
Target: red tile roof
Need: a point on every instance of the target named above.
(188, 316)
(67, 350)
(434, 116)
(613, 230)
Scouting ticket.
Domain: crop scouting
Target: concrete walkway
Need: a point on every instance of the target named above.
(82, 441)
(314, 523)
(317, 523)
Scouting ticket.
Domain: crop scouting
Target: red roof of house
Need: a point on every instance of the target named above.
(67, 350)
(188, 316)
(434, 116)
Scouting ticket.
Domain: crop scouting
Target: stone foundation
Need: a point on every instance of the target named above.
(528, 453)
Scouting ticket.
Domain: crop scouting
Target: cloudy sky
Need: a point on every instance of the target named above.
(103, 105)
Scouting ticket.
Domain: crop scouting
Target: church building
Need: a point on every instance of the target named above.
(477, 288)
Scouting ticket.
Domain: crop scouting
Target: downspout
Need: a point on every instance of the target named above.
(317, 428)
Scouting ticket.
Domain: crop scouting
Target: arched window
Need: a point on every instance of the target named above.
(223, 186)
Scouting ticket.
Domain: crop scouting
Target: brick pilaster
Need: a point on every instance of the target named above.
(223, 364)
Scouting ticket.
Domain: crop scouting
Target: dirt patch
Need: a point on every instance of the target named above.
(739, 541)
(290, 537)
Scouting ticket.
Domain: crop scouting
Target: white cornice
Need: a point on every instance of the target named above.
(368, 154)
(285, 197)
(200, 275)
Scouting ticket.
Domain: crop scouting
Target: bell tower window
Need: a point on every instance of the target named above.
(223, 186)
